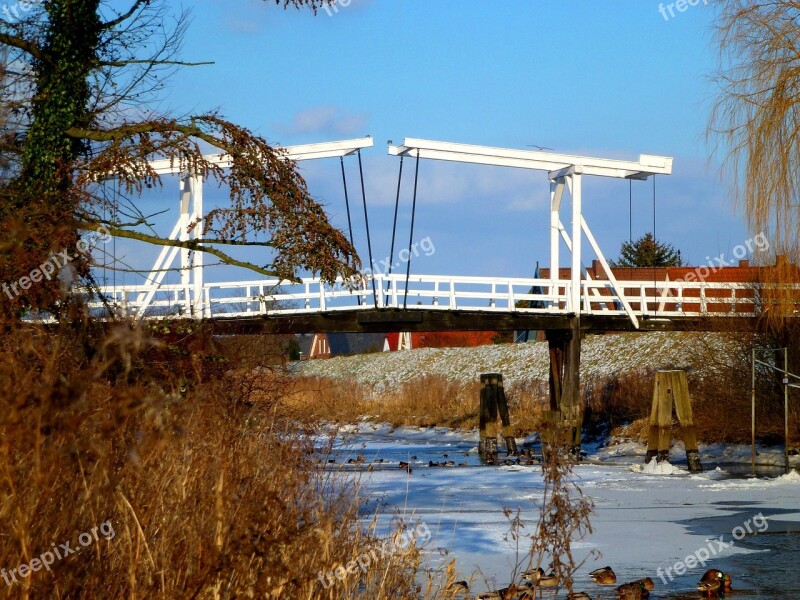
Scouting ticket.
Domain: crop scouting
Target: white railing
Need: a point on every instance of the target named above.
(440, 292)
(674, 299)
(273, 297)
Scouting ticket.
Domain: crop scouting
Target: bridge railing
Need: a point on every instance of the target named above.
(274, 297)
(678, 298)
(486, 294)
(440, 292)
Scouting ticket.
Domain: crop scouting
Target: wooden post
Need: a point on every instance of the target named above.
(488, 418)
(786, 407)
(565, 362)
(753, 415)
(505, 418)
(671, 387)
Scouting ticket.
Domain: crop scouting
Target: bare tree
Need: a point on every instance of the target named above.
(82, 81)
(755, 124)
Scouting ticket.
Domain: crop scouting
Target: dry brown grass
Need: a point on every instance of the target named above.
(721, 398)
(430, 401)
(205, 481)
(719, 386)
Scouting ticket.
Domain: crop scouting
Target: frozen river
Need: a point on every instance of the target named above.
(645, 524)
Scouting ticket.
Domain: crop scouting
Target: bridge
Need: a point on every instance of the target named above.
(565, 304)
(394, 302)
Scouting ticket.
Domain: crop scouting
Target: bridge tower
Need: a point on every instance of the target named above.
(195, 302)
(565, 174)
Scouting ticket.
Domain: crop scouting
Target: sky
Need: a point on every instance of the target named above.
(606, 78)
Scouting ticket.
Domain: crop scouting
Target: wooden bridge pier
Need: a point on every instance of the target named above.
(564, 419)
(671, 387)
(494, 403)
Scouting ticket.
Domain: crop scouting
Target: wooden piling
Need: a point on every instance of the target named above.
(671, 387)
(564, 376)
(487, 446)
(505, 418)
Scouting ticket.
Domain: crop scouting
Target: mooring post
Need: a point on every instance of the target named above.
(571, 400)
(683, 406)
(660, 420)
(505, 418)
(488, 418)
(671, 387)
(565, 400)
(786, 408)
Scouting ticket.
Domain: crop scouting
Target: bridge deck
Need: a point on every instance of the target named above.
(398, 320)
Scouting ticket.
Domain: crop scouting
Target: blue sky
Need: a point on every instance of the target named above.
(597, 77)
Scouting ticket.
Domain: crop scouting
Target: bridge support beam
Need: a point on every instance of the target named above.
(565, 416)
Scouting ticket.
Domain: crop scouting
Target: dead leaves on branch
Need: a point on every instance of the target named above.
(270, 204)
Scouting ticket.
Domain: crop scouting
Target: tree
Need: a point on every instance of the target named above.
(81, 80)
(755, 125)
(647, 252)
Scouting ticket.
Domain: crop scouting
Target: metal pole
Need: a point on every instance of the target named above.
(753, 415)
(786, 407)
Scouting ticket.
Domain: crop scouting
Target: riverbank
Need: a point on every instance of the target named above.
(440, 386)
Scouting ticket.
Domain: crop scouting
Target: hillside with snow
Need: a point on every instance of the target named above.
(602, 356)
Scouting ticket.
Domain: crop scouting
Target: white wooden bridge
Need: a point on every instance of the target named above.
(607, 299)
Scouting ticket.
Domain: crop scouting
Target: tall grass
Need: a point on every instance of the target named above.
(428, 401)
(209, 485)
(719, 385)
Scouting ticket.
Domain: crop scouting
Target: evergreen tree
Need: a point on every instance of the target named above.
(648, 252)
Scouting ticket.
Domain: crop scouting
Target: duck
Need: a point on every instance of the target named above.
(604, 576)
(538, 577)
(579, 596)
(648, 583)
(634, 590)
(458, 588)
(709, 587)
(717, 575)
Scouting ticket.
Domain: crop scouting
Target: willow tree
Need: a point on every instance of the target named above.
(81, 89)
(756, 125)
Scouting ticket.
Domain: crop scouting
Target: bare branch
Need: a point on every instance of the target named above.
(195, 245)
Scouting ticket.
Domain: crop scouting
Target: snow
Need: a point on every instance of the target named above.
(646, 518)
(522, 364)
(659, 468)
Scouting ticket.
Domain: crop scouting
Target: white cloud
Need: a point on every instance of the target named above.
(326, 120)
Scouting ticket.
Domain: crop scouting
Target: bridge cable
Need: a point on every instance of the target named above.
(630, 211)
(366, 222)
(347, 204)
(411, 236)
(394, 228)
(347, 201)
(655, 246)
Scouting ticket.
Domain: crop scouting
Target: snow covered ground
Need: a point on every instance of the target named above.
(648, 518)
(601, 356)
